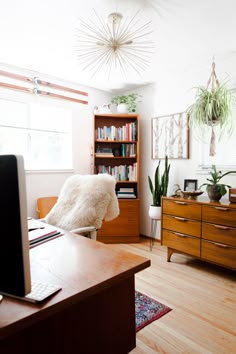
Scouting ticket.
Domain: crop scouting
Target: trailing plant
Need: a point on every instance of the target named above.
(216, 177)
(211, 107)
(130, 100)
(160, 184)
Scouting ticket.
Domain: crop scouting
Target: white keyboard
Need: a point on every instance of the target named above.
(40, 292)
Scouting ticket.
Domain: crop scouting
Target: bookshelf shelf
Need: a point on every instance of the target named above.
(116, 151)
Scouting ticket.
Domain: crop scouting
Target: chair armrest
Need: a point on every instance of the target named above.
(87, 229)
(84, 229)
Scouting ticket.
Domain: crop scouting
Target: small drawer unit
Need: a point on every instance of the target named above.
(200, 228)
(219, 253)
(181, 227)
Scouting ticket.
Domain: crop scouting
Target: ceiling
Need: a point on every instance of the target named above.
(40, 35)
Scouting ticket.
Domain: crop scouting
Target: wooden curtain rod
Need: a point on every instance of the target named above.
(36, 80)
(40, 92)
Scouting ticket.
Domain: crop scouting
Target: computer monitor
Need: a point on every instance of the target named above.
(14, 244)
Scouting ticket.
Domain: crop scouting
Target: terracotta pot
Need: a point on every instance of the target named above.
(213, 194)
(155, 212)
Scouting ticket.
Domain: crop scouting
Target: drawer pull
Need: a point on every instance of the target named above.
(221, 208)
(182, 203)
(222, 227)
(221, 245)
(179, 234)
(179, 218)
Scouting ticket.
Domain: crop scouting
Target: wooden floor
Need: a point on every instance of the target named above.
(203, 301)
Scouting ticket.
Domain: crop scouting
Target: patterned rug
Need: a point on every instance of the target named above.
(147, 310)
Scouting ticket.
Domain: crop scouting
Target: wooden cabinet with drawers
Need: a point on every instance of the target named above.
(125, 228)
(200, 228)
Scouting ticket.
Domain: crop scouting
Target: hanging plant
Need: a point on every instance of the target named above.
(212, 108)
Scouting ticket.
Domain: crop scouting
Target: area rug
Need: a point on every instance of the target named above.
(147, 310)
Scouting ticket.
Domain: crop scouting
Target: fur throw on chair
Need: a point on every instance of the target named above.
(85, 200)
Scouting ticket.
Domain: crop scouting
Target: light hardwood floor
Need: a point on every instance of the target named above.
(203, 299)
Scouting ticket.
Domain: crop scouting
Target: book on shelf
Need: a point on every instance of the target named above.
(126, 192)
(127, 195)
(126, 189)
(104, 154)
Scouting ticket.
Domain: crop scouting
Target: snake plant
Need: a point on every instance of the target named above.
(160, 184)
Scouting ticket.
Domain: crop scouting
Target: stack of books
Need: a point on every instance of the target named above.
(126, 193)
(39, 232)
(104, 152)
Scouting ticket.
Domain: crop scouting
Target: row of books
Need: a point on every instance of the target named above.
(121, 172)
(128, 150)
(124, 150)
(126, 192)
(127, 132)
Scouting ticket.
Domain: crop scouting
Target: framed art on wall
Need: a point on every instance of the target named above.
(170, 136)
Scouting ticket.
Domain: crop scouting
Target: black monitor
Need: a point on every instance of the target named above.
(14, 244)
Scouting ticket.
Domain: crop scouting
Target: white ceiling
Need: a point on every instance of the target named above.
(40, 35)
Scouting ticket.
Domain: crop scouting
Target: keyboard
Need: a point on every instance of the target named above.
(40, 292)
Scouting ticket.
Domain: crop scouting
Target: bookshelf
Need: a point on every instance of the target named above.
(116, 151)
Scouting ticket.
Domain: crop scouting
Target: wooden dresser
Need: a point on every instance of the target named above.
(200, 228)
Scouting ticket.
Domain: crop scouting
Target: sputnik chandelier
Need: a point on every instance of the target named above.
(113, 44)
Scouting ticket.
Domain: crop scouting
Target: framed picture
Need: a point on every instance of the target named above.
(190, 185)
(170, 136)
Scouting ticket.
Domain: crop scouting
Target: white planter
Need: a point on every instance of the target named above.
(155, 212)
(122, 108)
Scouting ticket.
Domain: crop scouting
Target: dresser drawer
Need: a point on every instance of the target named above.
(181, 242)
(219, 233)
(181, 208)
(219, 214)
(183, 225)
(219, 253)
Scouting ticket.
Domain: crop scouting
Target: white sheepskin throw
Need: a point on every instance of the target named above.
(85, 200)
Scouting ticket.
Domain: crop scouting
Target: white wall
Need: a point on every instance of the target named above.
(169, 95)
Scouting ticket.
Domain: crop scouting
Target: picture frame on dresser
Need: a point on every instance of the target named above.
(190, 185)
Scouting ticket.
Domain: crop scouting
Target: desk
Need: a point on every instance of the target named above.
(93, 313)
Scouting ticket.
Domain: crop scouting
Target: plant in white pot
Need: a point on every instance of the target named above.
(126, 104)
(158, 188)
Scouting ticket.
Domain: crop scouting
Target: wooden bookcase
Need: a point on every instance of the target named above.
(116, 151)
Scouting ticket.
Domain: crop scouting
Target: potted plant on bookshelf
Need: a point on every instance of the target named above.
(126, 104)
(158, 188)
(216, 190)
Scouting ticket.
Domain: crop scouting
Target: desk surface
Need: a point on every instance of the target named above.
(81, 266)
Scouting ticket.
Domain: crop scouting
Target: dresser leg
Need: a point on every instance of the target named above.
(169, 254)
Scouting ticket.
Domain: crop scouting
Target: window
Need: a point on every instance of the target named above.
(39, 131)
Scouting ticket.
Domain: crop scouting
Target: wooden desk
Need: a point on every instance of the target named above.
(93, 313)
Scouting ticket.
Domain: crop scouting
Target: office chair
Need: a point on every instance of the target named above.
(83, 203)
(44, 205)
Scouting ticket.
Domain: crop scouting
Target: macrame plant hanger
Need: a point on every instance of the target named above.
(213, 82)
